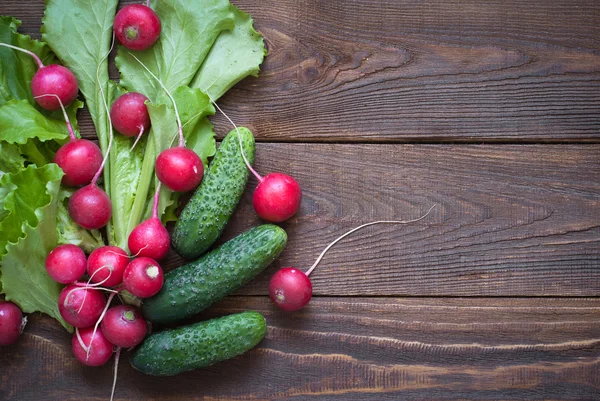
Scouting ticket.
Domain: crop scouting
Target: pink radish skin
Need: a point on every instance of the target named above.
(106, 265)
(51, 86)
(90, 207)
(277, 197)
(79, 159)
(57, 80)
(150, 238)
(137, 27)
(81, 306)
(129, 114)
(66, 263)
(143, 277)
(100, 349)
(124, 326)
(290, 289)
(12, 323)
(179, 169)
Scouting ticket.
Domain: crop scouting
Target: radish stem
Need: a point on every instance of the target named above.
(258, 176)
(358, 228)
(179, 125)
(32, 54)
(62, 107)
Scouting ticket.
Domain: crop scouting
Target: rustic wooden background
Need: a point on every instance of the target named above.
(489, 109)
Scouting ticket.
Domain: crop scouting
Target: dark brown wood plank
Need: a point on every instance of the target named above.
(364, 70)
(510, 220)
(341, 349)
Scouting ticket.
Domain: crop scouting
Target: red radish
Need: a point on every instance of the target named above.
(66, 263)
(106, 265)
(180, 169)
(90, 207)
(91, 348)
(52, 79)
(81, 306)
(291, 289)
(150, 238)
(129, 115)
(137, 26)
(143, 277)
(124, 326)
(277, 196)
(12, 323)
(79, 158)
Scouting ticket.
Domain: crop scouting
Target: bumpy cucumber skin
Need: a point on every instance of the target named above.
(193, 287)
(170, 352)
(208, 211)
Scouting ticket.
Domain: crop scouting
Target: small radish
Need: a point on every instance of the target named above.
(143, 277)
(180, 169)
(52, 79)
(79, 159)
(66, 263)
(150, 238)
(106, 265)
(277, 196)
(129, 115)
(137, 26)
(124, 326)
(91, 347)
(81, 306)
(291, 289)
(12, 323)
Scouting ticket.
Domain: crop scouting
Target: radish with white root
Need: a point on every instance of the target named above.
(12, 323)
(81, 305)
(106, 265)
(180, 169)
(129, 115)
(79, 158)
(137, 26)
(150, 238)
(277, 196)
(51, 79)
(90, 347)
(291, 289)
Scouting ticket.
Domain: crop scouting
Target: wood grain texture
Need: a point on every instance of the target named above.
(509, 221)
(364, 70)
(343, 349)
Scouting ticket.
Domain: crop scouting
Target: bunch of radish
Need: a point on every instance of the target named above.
(84, 305)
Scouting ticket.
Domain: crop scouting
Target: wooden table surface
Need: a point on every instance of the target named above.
(489, 109)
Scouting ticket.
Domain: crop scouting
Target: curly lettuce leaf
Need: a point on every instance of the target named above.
(188, 32)
(32, 203)
(235, 55)
(20, 121)
(11, 160)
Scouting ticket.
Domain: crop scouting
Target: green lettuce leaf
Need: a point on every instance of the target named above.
(11, 160)
(188, 32)
(32, 204)
(20, 121)
(235, 55)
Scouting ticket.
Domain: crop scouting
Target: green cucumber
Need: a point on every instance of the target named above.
(198, 345)
(208, 211)
(193, 287)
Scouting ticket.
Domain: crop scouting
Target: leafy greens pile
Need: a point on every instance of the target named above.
(204, 49)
